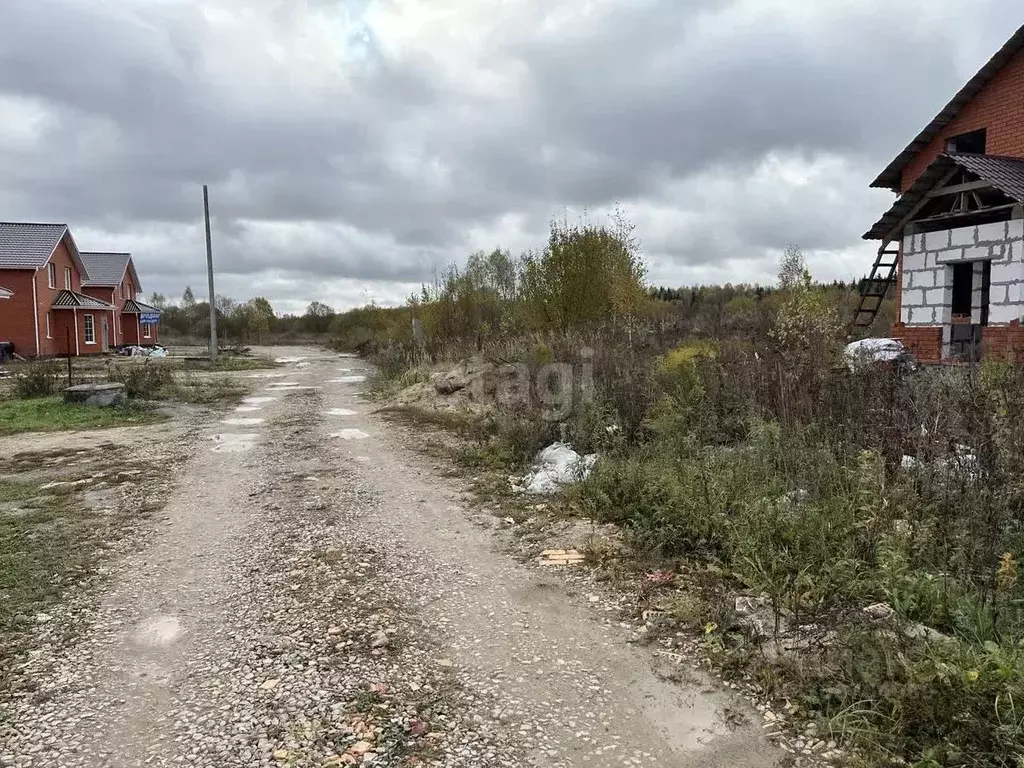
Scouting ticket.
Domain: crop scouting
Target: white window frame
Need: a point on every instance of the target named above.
(49, 327)
(89, 322)
(51, 274)
(67, 278)
(147, 331)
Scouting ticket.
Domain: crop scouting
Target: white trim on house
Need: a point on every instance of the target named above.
(67, 279)
(147, 331)
(74, 316)
(51, 275)
(89, 326)
(35, 308)
(49, 327)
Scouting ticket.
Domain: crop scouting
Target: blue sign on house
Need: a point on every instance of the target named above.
(149, 318)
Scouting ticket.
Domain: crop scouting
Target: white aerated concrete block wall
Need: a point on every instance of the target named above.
(928, 260)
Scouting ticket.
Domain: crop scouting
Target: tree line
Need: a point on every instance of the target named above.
(249, 322)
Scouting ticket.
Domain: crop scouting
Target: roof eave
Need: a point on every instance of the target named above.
(940, 168)
(135, 275)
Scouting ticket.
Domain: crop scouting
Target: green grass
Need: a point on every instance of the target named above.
(52, 414)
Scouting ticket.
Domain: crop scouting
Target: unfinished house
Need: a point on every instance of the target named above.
(953, 242)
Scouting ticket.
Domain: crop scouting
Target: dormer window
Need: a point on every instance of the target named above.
(973, 142)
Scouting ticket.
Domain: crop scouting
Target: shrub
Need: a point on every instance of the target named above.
(37, 379)
(147, 380)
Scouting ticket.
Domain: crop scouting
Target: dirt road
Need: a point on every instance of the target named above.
(315, 595)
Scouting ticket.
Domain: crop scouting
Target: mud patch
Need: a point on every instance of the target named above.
(350, 434)
(242, 422)
(234, 443)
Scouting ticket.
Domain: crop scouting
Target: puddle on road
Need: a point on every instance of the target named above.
(348, 380)
(283, 384)
(258, 400)
(248, 408)
(288, 359)
(341, 412)
(234, 442)
(243, 422)
(269, 375)
(160, 631)
(350, 434)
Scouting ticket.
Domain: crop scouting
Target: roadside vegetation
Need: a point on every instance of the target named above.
(48, 541)
(847, 541)
(62, 513)
(52, 414)
(31, 400)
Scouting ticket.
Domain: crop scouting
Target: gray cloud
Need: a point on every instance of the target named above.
(366, 144)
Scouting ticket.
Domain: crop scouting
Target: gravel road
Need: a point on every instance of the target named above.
(316, 595)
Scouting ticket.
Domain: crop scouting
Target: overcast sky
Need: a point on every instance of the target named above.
(352, 147)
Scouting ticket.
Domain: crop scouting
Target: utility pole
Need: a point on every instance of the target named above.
(209, 271)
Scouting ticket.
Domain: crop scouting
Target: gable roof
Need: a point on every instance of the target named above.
(890, 177)
(29, 246)
(1004, 173)
(106, 269)
(138, 308)
(71, 300)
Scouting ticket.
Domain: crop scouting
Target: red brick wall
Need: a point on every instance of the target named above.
(61, 258)
(111, 296)
(16, 314)
(64, 321)
(133, 330)
(1004, 342)
(1001, 342)
(923, 342)
(998, 108)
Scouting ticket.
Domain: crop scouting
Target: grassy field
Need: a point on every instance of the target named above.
(52, 414)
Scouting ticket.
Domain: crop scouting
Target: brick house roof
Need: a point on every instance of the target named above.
(105, 269)
(28, 246)
(71, 300)
(890, 177)
(1004, 173)
(137, 307)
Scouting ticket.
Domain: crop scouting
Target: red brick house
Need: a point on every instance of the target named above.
(48, 309)
(112, 279)
(953, 242)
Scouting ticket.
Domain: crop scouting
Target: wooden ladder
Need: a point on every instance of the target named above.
(873, 290)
